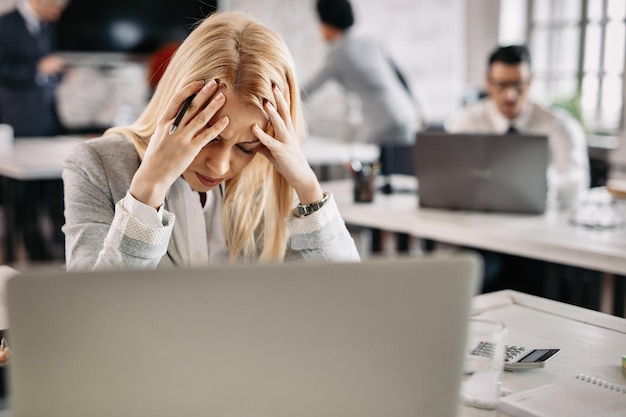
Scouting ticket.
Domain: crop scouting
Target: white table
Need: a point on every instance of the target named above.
(590, 342)
(36, 158)
(323, 153)
(548, 237)
(327, 151)
(29, 159)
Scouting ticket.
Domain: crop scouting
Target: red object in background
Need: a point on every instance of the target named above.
(158, 62)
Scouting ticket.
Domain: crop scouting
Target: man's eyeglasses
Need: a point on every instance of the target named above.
(502, 86)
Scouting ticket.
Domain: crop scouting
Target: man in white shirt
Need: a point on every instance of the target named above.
(509, 109)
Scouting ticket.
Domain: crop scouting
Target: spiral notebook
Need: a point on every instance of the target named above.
(578, 396)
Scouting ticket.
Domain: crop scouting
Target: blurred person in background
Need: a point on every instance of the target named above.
(363, 67)
(30, 72)
(508, 109)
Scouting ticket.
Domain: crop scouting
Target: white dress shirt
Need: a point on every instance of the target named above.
(568, 171)
(198, 231)
(31, 18)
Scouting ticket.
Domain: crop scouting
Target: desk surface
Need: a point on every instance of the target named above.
(547, 237)
(36, 158)
(327, 151)
(590, 342)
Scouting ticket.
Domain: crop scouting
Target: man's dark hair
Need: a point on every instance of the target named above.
(336, 13)
(512, 55)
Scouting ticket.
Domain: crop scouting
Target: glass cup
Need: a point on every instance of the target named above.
(483, 364)
(598, 209)
(364, 175)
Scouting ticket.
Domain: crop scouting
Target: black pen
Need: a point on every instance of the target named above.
(181, 113)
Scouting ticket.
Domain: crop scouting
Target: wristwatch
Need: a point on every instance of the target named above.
(302, 210)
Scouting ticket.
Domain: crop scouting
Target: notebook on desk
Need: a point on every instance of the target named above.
(499, 173)
(378, 338)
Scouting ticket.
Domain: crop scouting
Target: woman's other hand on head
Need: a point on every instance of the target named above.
(285, 151)
(169, 154)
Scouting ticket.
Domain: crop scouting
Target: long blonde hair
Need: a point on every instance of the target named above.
(247, 58)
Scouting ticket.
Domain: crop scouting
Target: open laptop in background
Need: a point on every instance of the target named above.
(485, 172)
(378, 338)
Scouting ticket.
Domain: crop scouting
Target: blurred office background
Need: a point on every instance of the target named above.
(578, 49)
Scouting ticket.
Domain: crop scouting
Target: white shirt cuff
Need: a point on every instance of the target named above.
(148, 215)
(314, 221)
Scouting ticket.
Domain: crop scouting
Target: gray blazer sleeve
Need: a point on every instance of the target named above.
(321, 236)
(96, 176)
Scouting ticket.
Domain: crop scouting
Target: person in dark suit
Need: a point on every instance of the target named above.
(30, 72)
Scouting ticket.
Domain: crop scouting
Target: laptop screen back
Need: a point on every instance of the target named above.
(500, 173)
(362, 339)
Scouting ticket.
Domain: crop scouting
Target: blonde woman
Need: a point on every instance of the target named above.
(229, 183)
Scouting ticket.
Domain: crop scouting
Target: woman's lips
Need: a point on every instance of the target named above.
(208, 181)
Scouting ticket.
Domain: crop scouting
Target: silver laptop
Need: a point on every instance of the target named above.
(500, 173)
(378, 338)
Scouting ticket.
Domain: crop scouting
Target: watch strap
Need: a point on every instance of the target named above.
(302, 210)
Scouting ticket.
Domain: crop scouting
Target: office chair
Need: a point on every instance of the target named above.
(395, 158)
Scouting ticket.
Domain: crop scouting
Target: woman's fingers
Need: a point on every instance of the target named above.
(213, 131)
(177, 100)
(282, 107)
(280, 116)
(192, 116)
(210, 104)
(265, 139)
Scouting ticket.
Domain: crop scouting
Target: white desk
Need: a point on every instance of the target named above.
(325, 153)
(590, 342)
(320, 151)
(29, 159)
(547, 237)
(36, 158)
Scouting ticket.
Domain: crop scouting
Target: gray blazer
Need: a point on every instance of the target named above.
(97, 175)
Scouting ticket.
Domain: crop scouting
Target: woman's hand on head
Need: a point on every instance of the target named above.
(285, 152)
(169, 154)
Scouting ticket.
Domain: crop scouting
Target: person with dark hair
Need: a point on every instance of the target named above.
(512, 54)
(363, 67)
(509, 109)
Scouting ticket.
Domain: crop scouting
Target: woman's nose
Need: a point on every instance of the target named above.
(219, 160)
